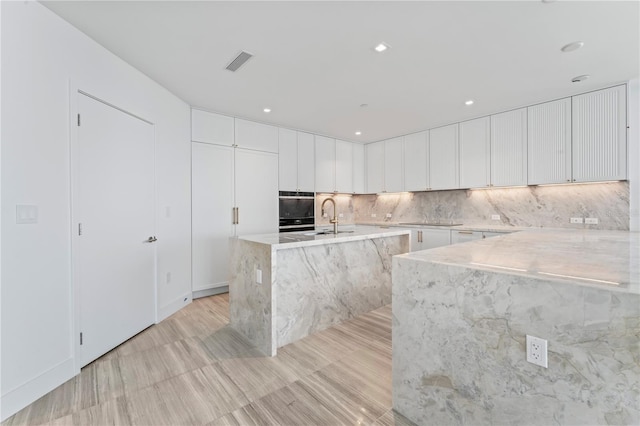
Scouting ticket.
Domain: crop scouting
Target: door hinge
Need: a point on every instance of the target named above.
(79, 229)
(78, 119)
(80, 338)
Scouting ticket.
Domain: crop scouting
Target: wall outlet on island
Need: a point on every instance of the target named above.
(259, 276)
(373, 215)
(537, 351)
(576, 220)
(388, 215)
(495, 217)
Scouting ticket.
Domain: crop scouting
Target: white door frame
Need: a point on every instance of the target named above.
(74, 92)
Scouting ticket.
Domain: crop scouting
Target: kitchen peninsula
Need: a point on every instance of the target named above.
(461, 314)
(286, 286)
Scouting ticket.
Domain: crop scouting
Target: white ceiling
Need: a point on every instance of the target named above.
(314, 63)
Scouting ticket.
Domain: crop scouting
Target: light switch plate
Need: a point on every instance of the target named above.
(591, 221)
(495, 217)
(576, 220)
(26, 214)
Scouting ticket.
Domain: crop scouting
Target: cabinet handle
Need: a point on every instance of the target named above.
(235, 215)
(466, 232)
(419, 236)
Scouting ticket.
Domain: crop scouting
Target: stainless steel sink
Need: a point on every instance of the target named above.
(325, 232)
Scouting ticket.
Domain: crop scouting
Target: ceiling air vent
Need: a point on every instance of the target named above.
(239, 61)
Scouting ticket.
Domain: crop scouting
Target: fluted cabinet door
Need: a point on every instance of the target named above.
(443, 157)
(358, 168)
(509, 148)
(416, 174)
(599, 135)
(474, 153)
(549, 142)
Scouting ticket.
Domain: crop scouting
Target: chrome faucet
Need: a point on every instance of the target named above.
(334, 219)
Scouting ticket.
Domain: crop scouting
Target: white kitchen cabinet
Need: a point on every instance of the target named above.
(256, 192)
(428, 238)
(287, 160)
(549, 142)
(256, 136)
(325, 164)
(374, 154)
(227, 180)
(344, 167)
(358, 168)
(296, 161)
(416, 176)
(212, 128)
(393, 170)
(306, 162)
(464, 236)
(489, 234)
(599, 141)
(475, 153)
(212, 174)
(443, 157)
(509, 148)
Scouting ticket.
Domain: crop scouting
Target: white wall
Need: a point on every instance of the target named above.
(41, 55)
(634, 153)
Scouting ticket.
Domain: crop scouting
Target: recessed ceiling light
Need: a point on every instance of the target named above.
(381, 47)
(579, 78)
(469, 102)
(267, 110)
(572, 46)
(358, 133)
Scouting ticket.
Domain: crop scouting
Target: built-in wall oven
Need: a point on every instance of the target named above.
(297, 211)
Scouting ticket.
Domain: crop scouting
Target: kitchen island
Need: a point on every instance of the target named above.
(286, 286)
(461, 314)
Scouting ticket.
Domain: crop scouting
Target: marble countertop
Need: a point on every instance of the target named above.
(290, 240)
(462, 227)
(608, 259)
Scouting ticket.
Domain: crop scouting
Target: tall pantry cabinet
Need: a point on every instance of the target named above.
(234, 182)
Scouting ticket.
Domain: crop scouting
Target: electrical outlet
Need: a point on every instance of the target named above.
(576, 220)
(259, 276)
(341, 215)
(373, 215)
(591, 221)
(537, 351)
(388, 215)
(495, 217)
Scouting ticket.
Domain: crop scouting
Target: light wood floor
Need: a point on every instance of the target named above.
(193, 369)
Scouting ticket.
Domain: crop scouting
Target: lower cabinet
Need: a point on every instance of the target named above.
(428, 238)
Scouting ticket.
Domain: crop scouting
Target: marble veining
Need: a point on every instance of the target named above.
(309, 285)
(531, 206)
(459, 331)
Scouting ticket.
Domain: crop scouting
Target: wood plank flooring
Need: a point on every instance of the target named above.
(192, 369)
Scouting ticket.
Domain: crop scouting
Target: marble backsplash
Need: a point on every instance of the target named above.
(531, 206)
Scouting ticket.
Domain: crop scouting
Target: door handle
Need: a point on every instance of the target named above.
(151, 239)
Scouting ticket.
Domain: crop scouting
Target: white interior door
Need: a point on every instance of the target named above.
(115, 207)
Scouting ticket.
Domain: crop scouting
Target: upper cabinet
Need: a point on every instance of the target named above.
(344, 167)
(416, 148)
(475, 153)
(393, 170)
(325, 164)
(212, 128)
(443, 157)
(509, 148)
(549, 142)
(358, 168)
(374, 162)
(256, 136)
(599, 140)
(296, 161)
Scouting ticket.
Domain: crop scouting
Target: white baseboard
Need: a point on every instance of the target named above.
(18, 398)
(174, 306)
(210, 291)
